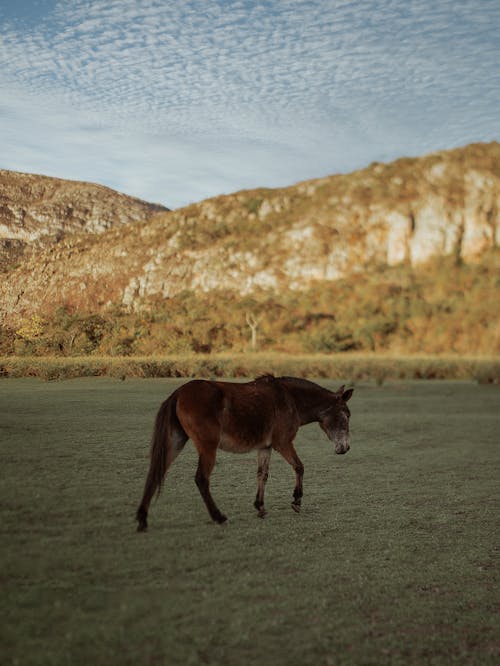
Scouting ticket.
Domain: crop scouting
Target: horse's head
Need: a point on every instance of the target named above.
(334, 419)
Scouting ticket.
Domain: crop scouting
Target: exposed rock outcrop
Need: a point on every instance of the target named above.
(407, 211)
(36, 209)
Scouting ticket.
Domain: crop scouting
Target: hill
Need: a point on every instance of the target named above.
(38, 210)
(380, 258)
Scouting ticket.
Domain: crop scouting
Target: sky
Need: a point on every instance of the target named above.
(177, 101)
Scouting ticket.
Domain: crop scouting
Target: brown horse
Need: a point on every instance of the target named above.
(264, 414)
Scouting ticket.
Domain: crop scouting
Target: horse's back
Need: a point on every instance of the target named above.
(238, 416)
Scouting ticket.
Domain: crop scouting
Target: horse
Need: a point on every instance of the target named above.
(261, 415)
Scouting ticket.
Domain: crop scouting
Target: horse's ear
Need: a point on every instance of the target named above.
(346, 395)
(340, 390)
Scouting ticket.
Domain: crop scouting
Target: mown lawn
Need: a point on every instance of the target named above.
(392, 560)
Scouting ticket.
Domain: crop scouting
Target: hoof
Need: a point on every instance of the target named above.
(142, 527)
(221, 519)
(262, 513)
(296, 507)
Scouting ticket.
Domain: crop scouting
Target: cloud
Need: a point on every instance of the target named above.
(206, 97)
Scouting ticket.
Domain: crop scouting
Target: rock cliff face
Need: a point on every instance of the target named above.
(36, 209)
(407, 211)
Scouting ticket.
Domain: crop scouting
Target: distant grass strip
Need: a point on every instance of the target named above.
(352, 367)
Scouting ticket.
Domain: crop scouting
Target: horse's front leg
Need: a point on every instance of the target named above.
(290, 455)
(263, 457)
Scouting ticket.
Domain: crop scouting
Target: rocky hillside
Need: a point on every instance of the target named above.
(407, 211)
(39, 209)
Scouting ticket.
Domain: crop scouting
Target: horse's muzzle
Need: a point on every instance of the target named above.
(340, 439)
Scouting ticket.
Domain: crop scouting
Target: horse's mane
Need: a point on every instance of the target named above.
(296, 382)
(266, 377)
(300, 383)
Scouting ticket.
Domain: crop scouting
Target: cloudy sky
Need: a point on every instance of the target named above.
(175, 101)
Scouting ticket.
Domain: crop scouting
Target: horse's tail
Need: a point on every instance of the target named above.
(167, 441)
(160, 443)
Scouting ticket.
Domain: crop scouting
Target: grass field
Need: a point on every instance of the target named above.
(392, 560)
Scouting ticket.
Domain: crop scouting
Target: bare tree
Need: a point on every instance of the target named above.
(253, 323)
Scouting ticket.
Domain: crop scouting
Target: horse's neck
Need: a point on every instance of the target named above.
(310, 399)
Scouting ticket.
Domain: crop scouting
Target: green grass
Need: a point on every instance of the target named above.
(390, 562)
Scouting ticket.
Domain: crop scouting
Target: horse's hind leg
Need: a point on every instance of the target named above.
(263, 457)
(206, 464)
(290, 455)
